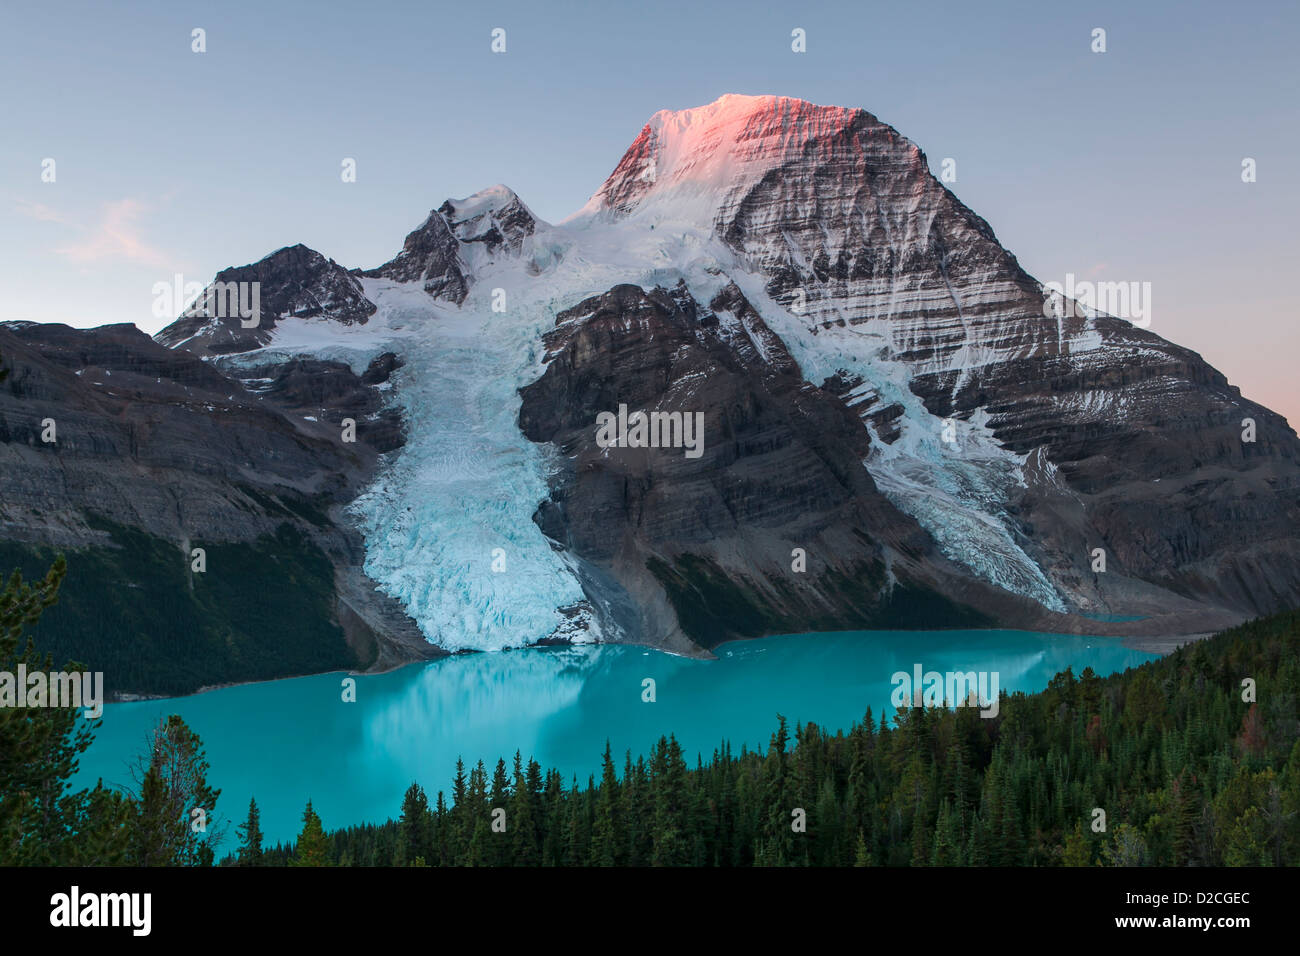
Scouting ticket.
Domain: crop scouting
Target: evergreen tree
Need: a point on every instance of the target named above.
(522, 828)
(313, 847)
(1076, 852)
(42, 820)
(414, 825)
(157, 835)
(179, 813)
(442, 847)
(668, 783)
(459, 818)
(608, 838)
(862, 855)
(250, 837)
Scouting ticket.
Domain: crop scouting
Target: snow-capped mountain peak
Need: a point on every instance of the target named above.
(692, 164)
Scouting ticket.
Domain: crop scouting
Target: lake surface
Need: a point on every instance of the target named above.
(289, 740)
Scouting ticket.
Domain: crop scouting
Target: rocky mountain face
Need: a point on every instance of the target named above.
(455, 238)
(294, 282)
(856, 409)
(725, 535)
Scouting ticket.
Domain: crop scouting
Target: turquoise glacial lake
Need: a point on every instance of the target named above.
(289, 740)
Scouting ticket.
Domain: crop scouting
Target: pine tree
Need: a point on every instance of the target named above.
(608, 839)
(777, 838)
(521, 831)
(250, 837)
(460, 820)
(481, 849)
(862, 855)
(185, 806)
(670, 845)
(1076, 852)
(312, 848)
(554, 820)
(442, 846)
(947, 847)
(42, 820)
(578, 835)
(824, 833)
(157, 835)
(413, 825)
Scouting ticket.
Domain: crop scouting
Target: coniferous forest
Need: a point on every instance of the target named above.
(1170, 763)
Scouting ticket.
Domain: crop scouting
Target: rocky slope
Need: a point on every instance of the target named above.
(155, 453)
(294, 282)
(459, 238)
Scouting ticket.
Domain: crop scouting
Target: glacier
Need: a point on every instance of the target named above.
(448, 524)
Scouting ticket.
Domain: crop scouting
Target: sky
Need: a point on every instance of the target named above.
(1117, 166)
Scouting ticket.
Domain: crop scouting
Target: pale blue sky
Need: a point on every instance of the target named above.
(1124, 165)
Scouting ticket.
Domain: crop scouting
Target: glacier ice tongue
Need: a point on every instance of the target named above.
(460, 496)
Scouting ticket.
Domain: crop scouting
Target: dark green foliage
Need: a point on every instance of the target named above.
(414, 826)
(175, 821)
(1187, 772)
(250, 837)
(42, 822)
(313, 848)
(138, 613)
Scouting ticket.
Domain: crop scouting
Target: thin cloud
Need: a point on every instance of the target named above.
(116, 238)
(38, 211)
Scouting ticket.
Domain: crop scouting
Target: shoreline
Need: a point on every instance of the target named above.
(1164, 645)
(1151, 644)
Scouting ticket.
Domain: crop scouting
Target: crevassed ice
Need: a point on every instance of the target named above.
(466, 484)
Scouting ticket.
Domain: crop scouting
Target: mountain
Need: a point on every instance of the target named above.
(458, 239)
(294, 282)
(773, 377)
